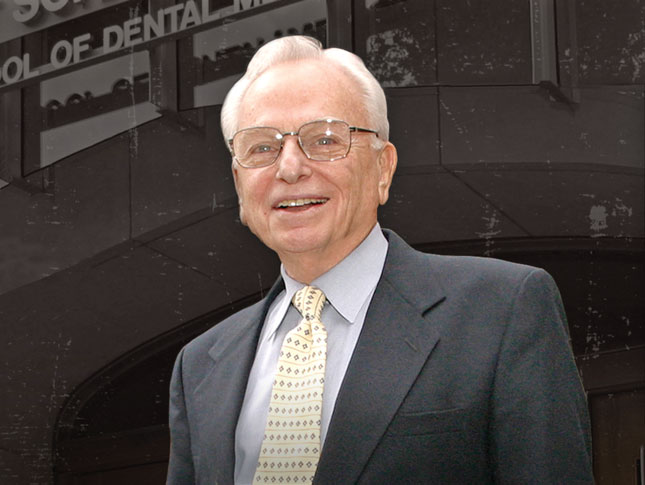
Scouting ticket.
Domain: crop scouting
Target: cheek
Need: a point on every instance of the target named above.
(248, 188)
(366, 188)
(254, 202)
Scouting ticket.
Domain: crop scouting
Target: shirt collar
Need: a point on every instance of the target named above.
(351, 282)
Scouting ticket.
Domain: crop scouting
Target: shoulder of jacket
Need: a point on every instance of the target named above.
(221, 330)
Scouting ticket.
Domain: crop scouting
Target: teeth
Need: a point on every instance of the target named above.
(300, 202)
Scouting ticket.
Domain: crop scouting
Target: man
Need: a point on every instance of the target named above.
(426, 369)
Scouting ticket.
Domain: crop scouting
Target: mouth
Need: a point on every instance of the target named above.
(299, 203)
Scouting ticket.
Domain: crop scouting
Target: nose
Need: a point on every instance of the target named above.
(292, 163)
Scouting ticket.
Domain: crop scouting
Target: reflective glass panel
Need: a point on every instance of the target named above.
(211, 61)
(396, 38)
(90, 105)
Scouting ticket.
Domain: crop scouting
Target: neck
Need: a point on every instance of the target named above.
(307, 267)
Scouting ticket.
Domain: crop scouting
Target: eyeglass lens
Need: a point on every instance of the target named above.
(323, 140)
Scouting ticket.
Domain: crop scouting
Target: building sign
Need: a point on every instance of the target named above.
(135, 30)
(22, 17)
(241, 5)
(91, 79)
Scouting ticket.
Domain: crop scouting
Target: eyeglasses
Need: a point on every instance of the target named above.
(321, 140)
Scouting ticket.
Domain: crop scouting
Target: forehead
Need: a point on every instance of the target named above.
(289, 94)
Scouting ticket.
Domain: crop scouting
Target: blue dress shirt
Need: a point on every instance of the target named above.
(349, 287)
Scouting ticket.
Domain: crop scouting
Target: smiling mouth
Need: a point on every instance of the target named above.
(286, 204)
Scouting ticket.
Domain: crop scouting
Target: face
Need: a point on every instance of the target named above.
(335, 202)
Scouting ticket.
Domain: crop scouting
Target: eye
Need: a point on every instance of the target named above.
(261, 148)
(326, 140)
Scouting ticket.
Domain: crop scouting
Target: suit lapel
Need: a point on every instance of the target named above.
(394, 344)
(221, 392)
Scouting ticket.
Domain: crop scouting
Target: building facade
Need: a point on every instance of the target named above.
(520, 126)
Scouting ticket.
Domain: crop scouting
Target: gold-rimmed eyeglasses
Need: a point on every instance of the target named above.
(321, 140)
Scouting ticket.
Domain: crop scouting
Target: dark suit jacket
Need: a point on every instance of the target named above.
(462, 374)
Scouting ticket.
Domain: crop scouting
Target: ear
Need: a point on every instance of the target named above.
(387, 166)
(238, 190)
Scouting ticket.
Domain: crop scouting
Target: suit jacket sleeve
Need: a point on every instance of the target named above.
(539, 427)
(180, 466)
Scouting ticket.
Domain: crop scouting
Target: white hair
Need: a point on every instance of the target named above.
(299, 47)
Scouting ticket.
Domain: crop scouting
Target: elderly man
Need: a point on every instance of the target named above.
(367, 362)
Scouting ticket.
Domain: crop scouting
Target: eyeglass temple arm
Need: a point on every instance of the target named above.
(362, 130)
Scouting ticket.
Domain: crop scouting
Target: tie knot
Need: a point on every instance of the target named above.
(309, 301)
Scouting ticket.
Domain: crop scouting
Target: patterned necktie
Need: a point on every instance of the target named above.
(291, 446)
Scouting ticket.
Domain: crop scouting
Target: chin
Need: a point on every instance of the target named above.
(297, 242)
